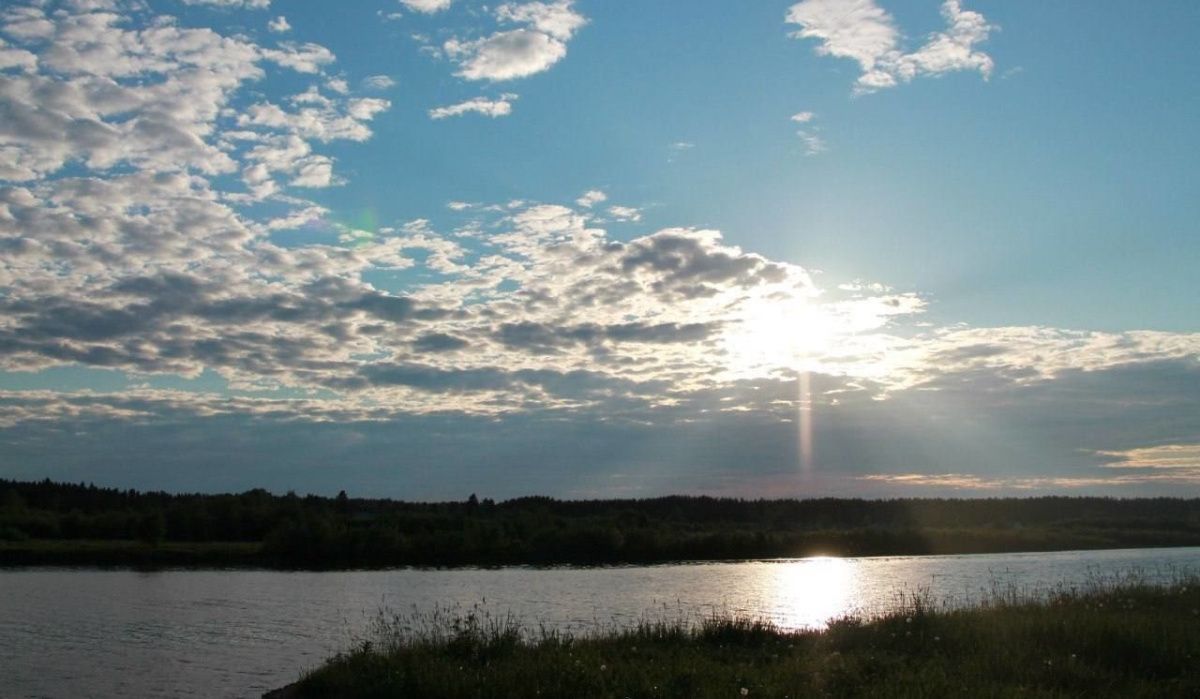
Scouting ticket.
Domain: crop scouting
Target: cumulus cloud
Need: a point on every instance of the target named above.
(426, 6)
(538, 43)
(502, 106)
(590, 198)
(279, 25)
(862, 31)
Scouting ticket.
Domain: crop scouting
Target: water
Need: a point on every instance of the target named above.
(86, 632)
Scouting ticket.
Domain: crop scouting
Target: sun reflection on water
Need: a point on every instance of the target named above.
(809, 593)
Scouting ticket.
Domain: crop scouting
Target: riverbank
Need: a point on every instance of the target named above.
(1123, 641)
(47, 523)
(123, 553)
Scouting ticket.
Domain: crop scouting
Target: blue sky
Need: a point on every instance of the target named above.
(420, 248)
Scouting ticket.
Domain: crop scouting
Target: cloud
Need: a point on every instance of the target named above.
(251, 4)
(813, 143)
(590, 198)
(517, 53)
(279, 25)
(963, 482)
(864, 32)
(378, 82)
(1166, 456)
(426, 6)
(499, 107)
(154, 182)
(625, 213)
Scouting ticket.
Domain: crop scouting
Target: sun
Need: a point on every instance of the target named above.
(769, 334)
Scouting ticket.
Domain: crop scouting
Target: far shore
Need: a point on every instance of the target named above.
(47, 523)
(123, 554)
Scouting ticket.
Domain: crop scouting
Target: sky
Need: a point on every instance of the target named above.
(427, 248)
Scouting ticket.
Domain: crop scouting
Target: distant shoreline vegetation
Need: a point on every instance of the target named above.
(48, 523)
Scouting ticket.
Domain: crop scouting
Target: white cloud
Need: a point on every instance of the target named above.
(302, 58)
(378, 82)
(506, 55)
(252, 4)
(864, 32)
(591, 198)
(16, 58)
(426, 6)
(518, 53)
(813, 144)
(499, 107)
(279, 25)
(625, 213)
(558, 19)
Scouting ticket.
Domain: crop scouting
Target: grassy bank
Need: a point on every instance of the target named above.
(1127, 641)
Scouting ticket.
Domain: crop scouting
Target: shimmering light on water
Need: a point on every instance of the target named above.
(79, 632)
(808, 593)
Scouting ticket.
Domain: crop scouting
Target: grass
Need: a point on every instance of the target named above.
(1114, 640)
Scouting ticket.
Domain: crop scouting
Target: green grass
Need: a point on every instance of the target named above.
(1129, 640)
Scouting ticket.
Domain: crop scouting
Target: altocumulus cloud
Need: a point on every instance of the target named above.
(140, 157)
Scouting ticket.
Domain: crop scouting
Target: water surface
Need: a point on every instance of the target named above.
(87, 632)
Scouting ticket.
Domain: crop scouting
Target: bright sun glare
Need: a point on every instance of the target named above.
(811, 592)
(780, 333)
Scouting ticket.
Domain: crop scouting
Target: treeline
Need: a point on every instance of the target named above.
(321, 532)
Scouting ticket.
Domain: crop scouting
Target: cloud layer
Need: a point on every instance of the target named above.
(156, 227)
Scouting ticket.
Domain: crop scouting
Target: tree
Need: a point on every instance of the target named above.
(152, 528)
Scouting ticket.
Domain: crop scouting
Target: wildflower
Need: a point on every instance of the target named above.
(745, 692)
(908, 620)
(603, 668)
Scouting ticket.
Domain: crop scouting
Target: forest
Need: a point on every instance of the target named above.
(61, 523)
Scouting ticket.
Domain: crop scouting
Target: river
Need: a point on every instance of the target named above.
(81, 632)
